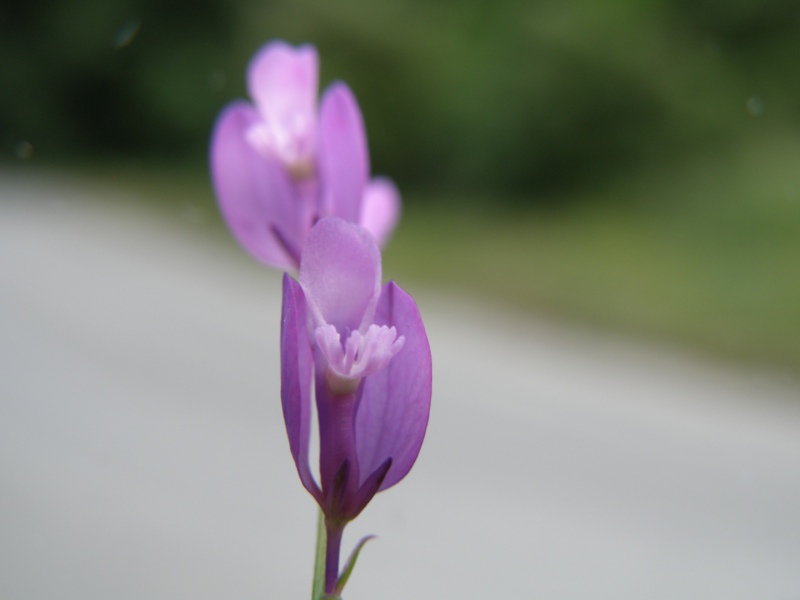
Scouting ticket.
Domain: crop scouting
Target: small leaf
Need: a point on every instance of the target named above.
(348, 567)
(318, 587)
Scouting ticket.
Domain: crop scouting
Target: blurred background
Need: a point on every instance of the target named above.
(602, 229)
(629, 165)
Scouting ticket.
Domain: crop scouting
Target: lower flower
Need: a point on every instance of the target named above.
(365, 349)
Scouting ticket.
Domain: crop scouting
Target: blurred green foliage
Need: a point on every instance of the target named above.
(530, 99)
(121, 77)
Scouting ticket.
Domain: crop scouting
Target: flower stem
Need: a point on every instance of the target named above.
(333, 544)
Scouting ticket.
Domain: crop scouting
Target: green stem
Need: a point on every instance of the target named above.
(318, 587)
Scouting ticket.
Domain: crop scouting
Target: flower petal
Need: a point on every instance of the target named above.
(340, 271)
(296, 364)
(283, 80)
(256, 197)
(343, 155)
(395, 402)
(380, 209)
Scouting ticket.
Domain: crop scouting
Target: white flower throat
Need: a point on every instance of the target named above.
(290, 139)
(360, 355)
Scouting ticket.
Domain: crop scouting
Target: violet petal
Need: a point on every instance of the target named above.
(255, 195)
(380, 209)
(283, 80)
(296, 365)
(340, 272)
(395, 402)
(343, 154)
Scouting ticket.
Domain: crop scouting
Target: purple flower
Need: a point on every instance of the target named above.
(365, 348)
(280, 164)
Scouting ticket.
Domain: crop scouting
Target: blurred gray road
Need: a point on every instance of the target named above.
(142, 451)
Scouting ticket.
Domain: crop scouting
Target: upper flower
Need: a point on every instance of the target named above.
(280, 164)
(366, 348)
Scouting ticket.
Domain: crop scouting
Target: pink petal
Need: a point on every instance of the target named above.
(296, 362)
(283, 80)
(395, 402)
(380, 209)
(340, 271)
(343, 155)
(256, 196)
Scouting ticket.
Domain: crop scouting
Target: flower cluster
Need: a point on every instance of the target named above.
(293, 184)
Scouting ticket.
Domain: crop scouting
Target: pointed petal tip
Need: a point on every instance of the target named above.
(370, 487)
(340, 92)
